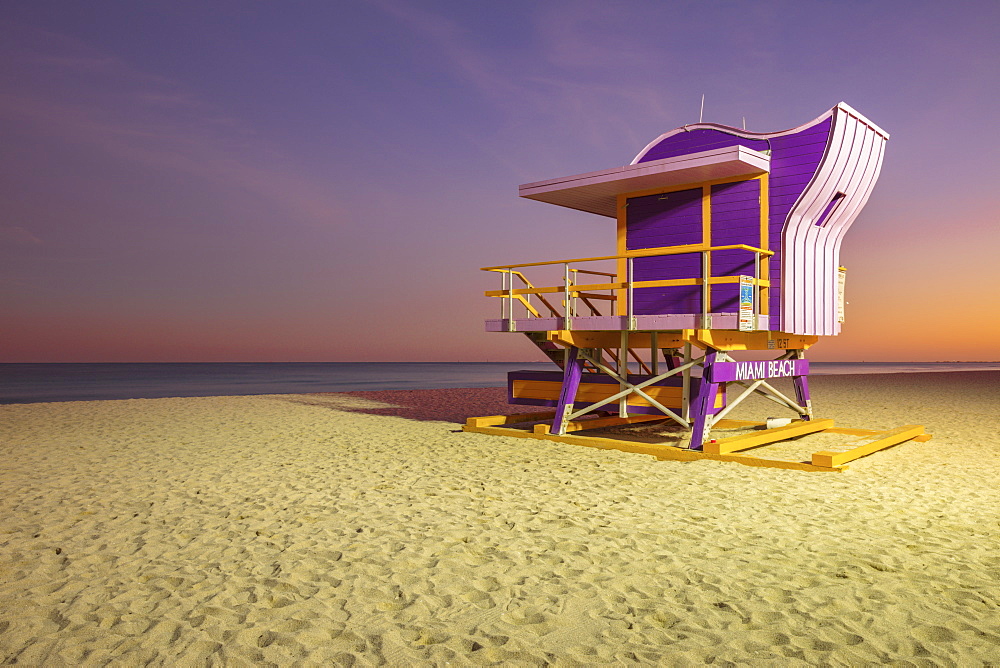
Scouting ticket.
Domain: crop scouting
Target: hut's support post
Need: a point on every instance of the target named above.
(567, 297)
(706, 292)
(802, 390)
(654, 354)
(623, 372)
(686, 384)
(704, 403)
(508, 277)
(567, 396)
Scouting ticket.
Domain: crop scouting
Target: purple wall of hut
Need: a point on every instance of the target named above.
(794, 160)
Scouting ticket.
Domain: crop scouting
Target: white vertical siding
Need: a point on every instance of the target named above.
(851, 166)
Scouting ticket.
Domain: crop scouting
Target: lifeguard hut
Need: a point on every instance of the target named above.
(727, 240)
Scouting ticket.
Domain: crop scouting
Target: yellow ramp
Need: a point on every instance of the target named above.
(868, 444)
(724, 446)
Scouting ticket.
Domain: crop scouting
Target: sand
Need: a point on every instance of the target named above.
(366, 529)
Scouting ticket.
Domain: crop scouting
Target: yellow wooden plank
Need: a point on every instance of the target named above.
(850, 431)
(725, 446)
(689, 186)
(726, 423)
(847, 431)
(675, 282)
(706, 238)
(636, 340)
(536, 389)
(621, 247)
(734, 279)
(495, 420)
(643, 252)
(585, 290)
(591, 287)
(867, 445)
(527, 305)
(594, 273)
(524, 291)
(733, 340)
(598, 423)
(765, 261)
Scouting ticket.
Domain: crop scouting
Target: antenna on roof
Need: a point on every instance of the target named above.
(701, 114)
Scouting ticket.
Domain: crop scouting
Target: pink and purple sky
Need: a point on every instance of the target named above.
(320, 181)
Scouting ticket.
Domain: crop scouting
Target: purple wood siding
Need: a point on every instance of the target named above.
(695, 141)
(735, 220)
(794, 160)
(670, 219)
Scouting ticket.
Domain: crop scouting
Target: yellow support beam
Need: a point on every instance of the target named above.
(497, 420)
(871, 432)
(597, 423)
(867, 445)
(718, 339)
(582, 290)
(643, 252)
(612, 339)
(724, 446)
(730, 340)
(527, 305)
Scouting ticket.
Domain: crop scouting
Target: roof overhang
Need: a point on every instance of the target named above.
(596, 192)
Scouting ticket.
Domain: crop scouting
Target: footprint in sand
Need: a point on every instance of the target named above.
(661, 619)
(530, 619)
(931, 633)
(763, 639)
(268, 638)
(348, 641)
(488, 583)
(390, 599)
(479, 599)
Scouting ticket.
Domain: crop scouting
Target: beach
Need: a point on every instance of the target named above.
(367, 529)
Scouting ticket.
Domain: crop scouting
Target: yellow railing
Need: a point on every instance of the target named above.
(620, 292)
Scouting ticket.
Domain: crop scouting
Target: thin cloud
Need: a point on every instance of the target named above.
(569, 74)
(15, 235)
(453, 41)
(100, 101)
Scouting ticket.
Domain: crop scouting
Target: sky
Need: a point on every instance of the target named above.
(321, 181)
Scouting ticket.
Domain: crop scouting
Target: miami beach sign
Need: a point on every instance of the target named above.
(727, 372)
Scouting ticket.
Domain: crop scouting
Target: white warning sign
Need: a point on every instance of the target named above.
(747, 319)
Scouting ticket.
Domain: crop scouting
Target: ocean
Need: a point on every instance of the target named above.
(30, 383)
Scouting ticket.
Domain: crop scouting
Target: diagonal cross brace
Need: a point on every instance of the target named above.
(631, 388)
(771, 393)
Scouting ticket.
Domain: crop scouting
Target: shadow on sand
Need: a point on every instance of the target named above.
(441, 405)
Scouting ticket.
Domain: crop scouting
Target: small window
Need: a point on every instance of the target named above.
(830, 208)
